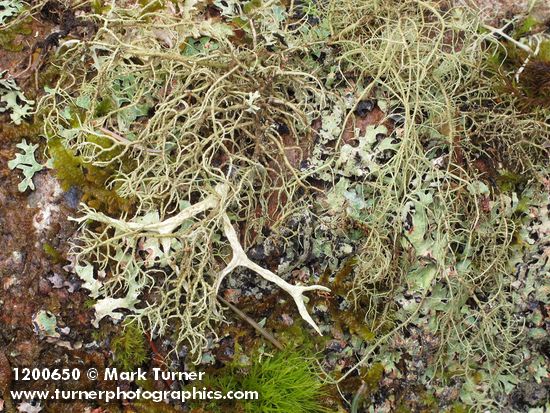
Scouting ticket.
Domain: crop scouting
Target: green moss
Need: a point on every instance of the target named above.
(525, 27)
(71, 171)
(8, 37)
(544, 52)
(372, 377)
(89, 303)
(99, 7)
(46, 77)
(286, 382)
(507, 181)
(97, 335)
(294, 337)
(458, 408)
(355, 324)
(54, 255)
(68, 167)
(429, 400)
(370, 383)
(104, 143)
(423, 401)
(252, 5)
(353, 320)
(151, 6)
(130, 348)
(103, 108)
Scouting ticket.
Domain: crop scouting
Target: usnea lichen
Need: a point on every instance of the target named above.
(439, 238)
(379, 124)
(193, 123)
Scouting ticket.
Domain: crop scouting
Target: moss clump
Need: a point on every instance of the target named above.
(370, 383)
(8, 37)
(287, 382)
(372, 377)
(458, 408)
(130, 348)
(52, 253)
(426, 402)
(359, 320)
(71, 171)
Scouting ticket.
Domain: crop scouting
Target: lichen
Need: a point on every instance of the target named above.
(413, 135)
(27, 163)
(13, 100)
(118, 114)
(9, 9)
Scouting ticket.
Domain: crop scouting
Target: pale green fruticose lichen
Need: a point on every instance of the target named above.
(434, 247)
(106, 306)
(173, 148)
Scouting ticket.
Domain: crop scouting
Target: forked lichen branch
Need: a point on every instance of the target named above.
(239, 259)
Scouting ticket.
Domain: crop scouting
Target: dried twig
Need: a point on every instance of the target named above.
(254, 324)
